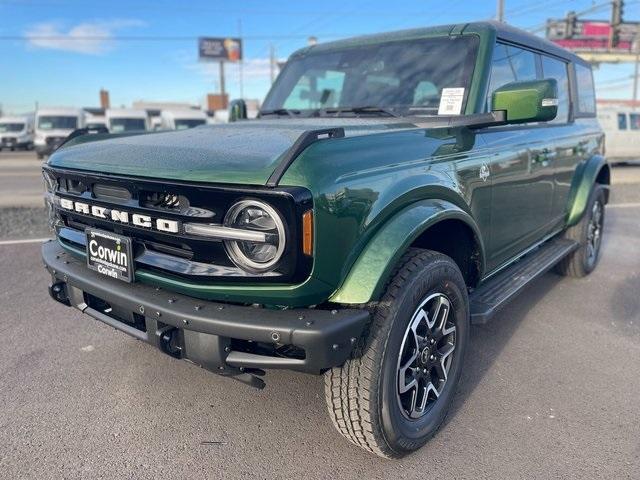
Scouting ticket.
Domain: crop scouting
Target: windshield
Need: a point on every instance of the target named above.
(55, 122)
(91, 125)
(117, 125)
(11, 127)
(402, 77)
(185, 123)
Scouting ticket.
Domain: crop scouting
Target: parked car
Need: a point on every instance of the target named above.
(622, 133)
(95, 121)
(16, 132)
(122, 120)
(181, 119)
(53, 126)
(396, 189)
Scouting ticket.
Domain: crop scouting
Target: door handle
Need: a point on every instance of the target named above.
(545, 156)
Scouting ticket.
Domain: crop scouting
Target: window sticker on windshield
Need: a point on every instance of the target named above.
(451, 101)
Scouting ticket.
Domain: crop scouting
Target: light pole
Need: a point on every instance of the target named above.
(637, 69)
(500, 11)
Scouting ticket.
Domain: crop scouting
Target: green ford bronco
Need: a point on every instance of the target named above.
(395, 189)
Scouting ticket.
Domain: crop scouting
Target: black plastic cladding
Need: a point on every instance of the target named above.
(290, 202)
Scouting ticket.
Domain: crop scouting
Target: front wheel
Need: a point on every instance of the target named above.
(394, 394)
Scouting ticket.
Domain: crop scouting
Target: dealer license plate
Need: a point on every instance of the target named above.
(110, 254)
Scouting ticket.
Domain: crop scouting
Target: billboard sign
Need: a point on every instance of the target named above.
(220, 49)
(591, 35)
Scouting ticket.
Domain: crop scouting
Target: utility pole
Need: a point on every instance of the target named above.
(637, 69)
(500, 11)
(222, 89)
(272, 62)
(240, 64)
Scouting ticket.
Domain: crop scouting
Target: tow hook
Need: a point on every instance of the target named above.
(58, 292)
(169, 340)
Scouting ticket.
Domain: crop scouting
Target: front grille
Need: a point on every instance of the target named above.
(178, 254)
(111, 193)
(164, 200)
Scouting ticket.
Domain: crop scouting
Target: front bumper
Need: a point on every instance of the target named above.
(210, 334)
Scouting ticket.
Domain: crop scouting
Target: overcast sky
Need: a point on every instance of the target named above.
(61, 70)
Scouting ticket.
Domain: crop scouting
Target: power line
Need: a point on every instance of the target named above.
(594, 8)
(150, 38)
(626, 78)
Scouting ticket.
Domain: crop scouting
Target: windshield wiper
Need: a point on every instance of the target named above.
(357, 110)
(280, 111)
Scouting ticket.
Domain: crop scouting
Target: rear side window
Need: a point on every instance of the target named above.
(557, 69)
(634, 121)
(586, 93)
(622, 121)
(510, 64)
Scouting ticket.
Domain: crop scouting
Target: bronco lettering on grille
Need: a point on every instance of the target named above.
(121, 216)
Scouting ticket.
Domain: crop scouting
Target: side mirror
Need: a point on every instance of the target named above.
(237, 110)
(534, 101)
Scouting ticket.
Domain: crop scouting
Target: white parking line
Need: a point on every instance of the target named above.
(23, 241)
(624, 205)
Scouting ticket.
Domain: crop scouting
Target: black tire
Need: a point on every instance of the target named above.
(363, 395)
(583, 261)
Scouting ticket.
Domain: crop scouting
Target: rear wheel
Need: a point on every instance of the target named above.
(588, 233)
(394, 394)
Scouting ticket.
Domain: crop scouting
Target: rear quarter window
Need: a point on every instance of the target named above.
(586, 93)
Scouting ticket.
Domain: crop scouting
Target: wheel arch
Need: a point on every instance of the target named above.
(595, 170)
(425, 224)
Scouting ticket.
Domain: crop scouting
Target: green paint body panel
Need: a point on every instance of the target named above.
(366, 279)
(383, 184)
(583, 180)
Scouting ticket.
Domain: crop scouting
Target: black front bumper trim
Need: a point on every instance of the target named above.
(206, 328)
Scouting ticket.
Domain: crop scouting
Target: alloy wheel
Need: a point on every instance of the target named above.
(425, 355)
(594, 232)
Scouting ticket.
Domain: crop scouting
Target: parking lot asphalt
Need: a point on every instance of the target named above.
(20, 179)
(551, 389)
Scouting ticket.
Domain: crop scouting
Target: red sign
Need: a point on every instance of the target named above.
(591, 35)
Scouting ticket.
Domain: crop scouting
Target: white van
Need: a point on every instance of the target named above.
(120, 120)
(95, 121)
(16, 132)
(181, 119)
(622, 133)
(53, 125)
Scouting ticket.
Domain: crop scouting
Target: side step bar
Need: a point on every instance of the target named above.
(496, 292)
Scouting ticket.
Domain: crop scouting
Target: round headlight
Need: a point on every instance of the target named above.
(258, 216)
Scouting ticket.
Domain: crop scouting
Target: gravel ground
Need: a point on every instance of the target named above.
(23, 222)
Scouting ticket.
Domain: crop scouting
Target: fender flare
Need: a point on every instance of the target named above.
(583, 180)
(370, 272)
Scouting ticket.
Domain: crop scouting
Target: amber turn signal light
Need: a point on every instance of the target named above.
(307, 233)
